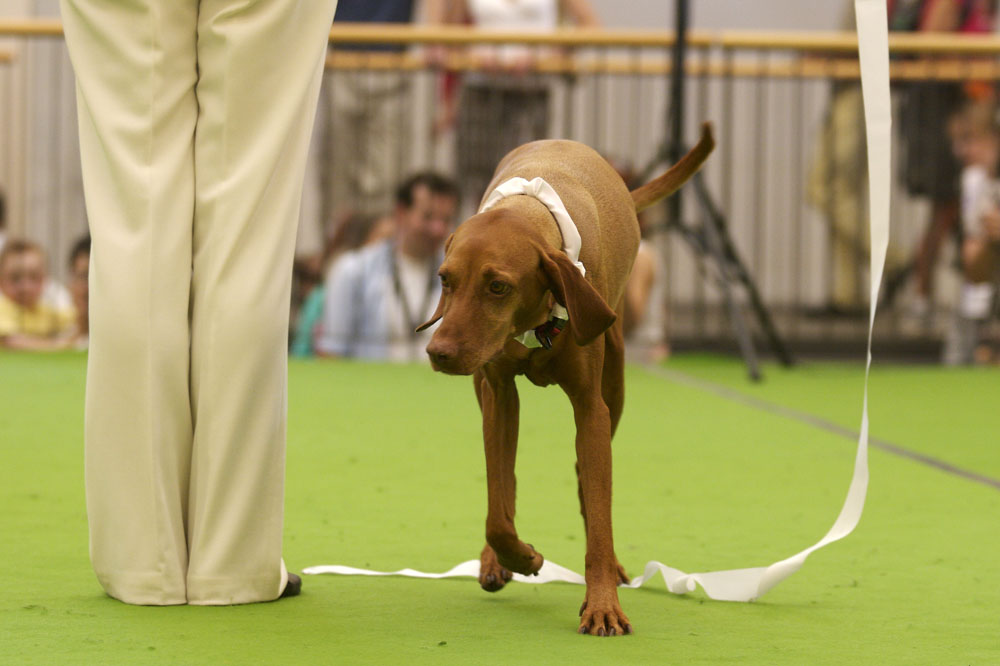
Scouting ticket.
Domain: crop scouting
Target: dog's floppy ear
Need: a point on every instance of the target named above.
(439, 311)
(589, 315)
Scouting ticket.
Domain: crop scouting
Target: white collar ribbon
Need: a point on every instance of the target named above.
(538, 189)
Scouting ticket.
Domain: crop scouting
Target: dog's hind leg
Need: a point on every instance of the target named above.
(623, 577)
(504, 552)
(601, 613)
(612, 387)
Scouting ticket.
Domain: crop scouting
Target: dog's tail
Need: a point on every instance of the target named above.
(656, 190)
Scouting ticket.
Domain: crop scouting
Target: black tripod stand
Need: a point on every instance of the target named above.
(711, 239)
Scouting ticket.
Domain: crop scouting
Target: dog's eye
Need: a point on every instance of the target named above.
(499, 288)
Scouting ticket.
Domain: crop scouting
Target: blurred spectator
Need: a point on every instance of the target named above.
(352, 233)
(377, 296)
(981, 262)
(976, 139)
(504, 106)
(28, 319)
(79, 289)
(361, 134)
(981, 250)
(645, 318)
(837, 188)
(929, 166)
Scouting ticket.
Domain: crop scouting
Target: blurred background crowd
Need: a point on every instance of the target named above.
(411, 125)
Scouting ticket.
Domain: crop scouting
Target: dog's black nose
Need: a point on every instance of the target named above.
(447, 356)
(439, 353)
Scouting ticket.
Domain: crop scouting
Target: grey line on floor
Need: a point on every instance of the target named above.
(818, 422)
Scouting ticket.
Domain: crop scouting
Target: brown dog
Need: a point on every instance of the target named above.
(504, 271)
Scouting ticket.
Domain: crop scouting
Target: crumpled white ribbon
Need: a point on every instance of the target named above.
(750, 584)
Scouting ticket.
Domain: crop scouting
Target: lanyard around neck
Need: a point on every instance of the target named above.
(410, 321)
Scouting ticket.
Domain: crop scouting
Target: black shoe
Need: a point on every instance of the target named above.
(293, 588)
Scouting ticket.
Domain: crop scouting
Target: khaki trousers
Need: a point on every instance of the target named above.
(194, 124)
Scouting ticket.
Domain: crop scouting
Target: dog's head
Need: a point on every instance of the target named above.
(498, 280)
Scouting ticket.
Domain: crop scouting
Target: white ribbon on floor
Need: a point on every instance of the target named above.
(750, 584)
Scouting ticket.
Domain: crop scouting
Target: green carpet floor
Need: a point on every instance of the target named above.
(385, 470)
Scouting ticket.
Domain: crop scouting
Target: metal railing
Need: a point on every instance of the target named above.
(766, 93)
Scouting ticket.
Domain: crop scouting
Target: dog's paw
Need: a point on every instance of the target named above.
(524, 560)
(603, 617)
(492, 576)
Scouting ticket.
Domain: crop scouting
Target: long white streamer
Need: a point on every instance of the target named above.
(750, 584)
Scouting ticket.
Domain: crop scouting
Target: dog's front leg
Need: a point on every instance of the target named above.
(504, 551)
(601, 613)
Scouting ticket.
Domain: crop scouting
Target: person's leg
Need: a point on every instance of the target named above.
(848, 192)
(344, 148)
(135, 70)
(944, 218)
(384, 133)
(260, 63)
(478, 141)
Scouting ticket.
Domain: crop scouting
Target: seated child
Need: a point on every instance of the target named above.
(976, 140)
(29, 320)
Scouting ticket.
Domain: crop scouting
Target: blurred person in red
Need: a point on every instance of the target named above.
(504, 103)
(930, 167)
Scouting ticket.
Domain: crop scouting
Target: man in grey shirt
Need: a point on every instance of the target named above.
(377, 296)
